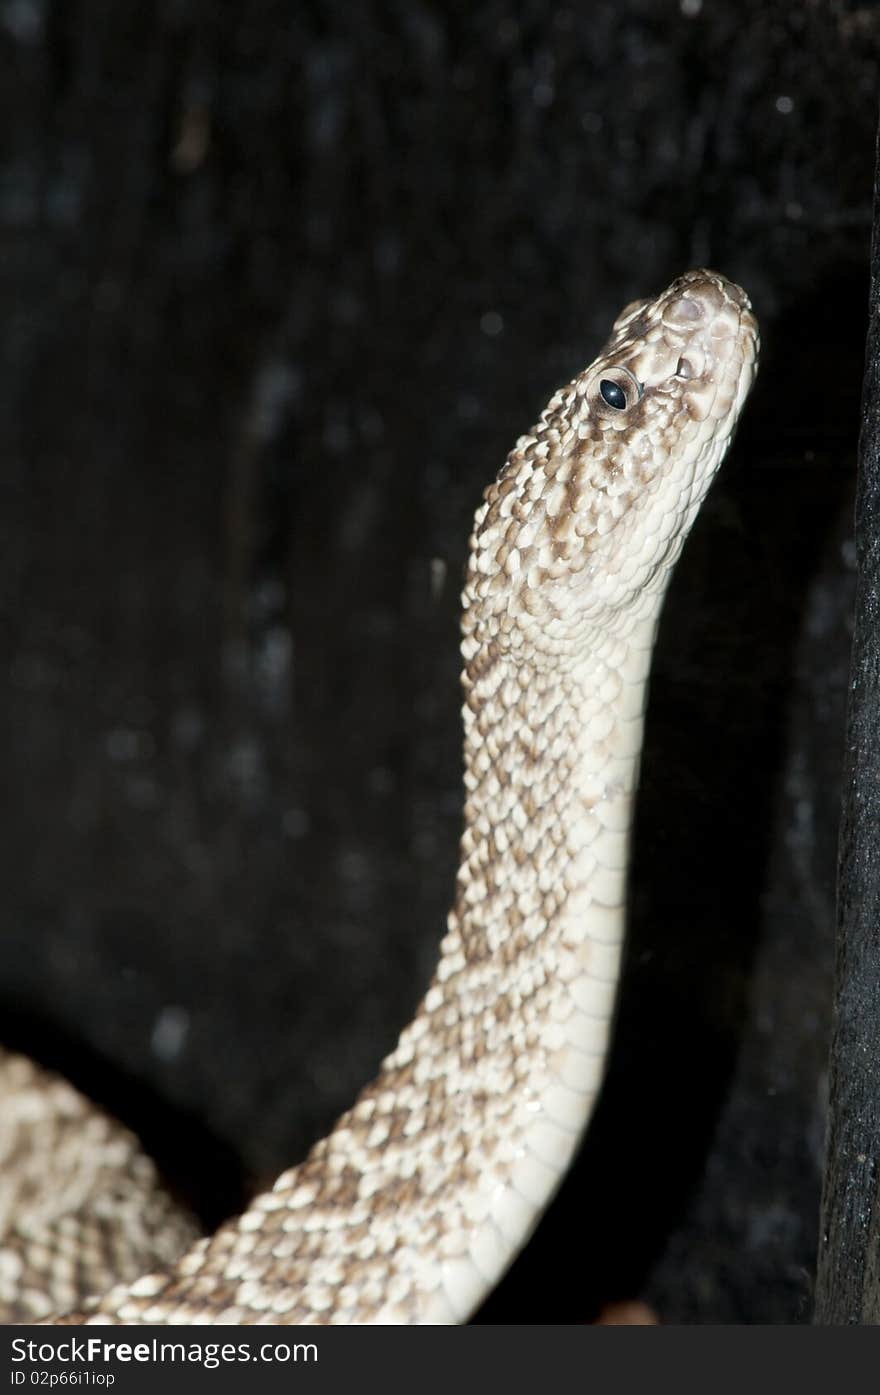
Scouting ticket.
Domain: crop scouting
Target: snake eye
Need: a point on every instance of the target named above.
(613, 394)
(616, 388)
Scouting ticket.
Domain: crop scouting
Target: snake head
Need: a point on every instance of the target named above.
(593, 505)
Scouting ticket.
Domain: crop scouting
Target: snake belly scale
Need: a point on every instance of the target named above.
(426, 1188)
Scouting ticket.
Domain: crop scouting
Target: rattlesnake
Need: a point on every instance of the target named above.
(419, 1198)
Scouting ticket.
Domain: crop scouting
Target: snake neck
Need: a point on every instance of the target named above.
(551, 764)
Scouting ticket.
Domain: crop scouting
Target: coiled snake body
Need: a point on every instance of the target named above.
(417, 1201)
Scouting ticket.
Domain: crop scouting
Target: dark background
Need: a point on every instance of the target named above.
(280, 285)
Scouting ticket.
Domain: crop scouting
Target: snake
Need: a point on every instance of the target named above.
(419, 1198)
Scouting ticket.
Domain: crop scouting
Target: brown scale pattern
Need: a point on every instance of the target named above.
(78, 1198)
(431, 1182)
(414, 1130)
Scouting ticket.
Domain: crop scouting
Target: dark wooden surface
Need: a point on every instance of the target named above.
(848, 1281)
(279, 287)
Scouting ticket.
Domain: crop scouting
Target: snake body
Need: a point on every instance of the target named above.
(427, 1187)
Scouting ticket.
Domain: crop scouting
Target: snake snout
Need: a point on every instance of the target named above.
(706, 311)
(702, 302)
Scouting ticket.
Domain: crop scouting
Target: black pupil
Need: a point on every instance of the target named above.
(613, 394)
